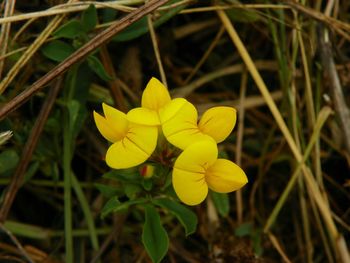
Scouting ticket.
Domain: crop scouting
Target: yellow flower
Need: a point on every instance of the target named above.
(154, 97)
(197, 168)
(132, 143)
(182, 128)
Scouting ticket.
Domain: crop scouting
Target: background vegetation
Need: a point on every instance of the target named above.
(284, 65)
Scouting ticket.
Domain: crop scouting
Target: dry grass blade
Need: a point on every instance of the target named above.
(30, 52)
(79, 54)
(341, 108)
(321, 119)
(5, 32)
(312, 185)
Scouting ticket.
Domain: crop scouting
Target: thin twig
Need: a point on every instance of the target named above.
(17, 243)
(206, 54)
(114, 86)
(114, 235)
(79, 54)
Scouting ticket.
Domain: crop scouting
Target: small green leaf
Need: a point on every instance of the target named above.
(107, 190)
(113, 205)
(131, 190)
(221, 202)
(110, 206)
(89, 18)
(133, 31)
(57, 50)
(245, 229)
(154, 237)
(123, 175)
(71, 30)
(186, 217)
(26, 230)
(257, 246)
(97, 67)
(147, 184)
(8, 161)
(33, 168)
(141, 27)
(109, 15)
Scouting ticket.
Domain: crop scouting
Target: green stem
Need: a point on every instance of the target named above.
(87, 212)
(67, 189)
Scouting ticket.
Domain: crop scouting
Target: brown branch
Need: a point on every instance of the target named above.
(28, 150)
(114, 85)
(79, 54)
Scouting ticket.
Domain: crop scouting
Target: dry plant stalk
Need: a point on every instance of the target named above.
(313, 187)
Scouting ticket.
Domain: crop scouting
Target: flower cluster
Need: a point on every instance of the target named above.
(198, 168)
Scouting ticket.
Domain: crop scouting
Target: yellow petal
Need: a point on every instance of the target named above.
(197, 157)
(182, 130)
(143, 116)
(225, 176)
(218, 122)
(144, 137)
(170, 109)
(125, 154)
(191, 188)
(116, 118)
(107, 129)
(137, 146)
(155, 95)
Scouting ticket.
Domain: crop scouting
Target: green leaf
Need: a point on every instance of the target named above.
(113, 205)
(71, 30)
(154, 237)
(109, 15)
(57, 50)
(89, 18)
(107, 190)
(147, 184)
(221, 202)
(133, 31)
(141, 27)
(245, 229)
(96, 66)
(8, 161)
(110, 206)
(33, 168)
(26, 230)
(257, 246)
(123, 175)
(186, 217)
(131, 190)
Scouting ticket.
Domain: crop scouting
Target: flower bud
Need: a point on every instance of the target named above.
(147, 171)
